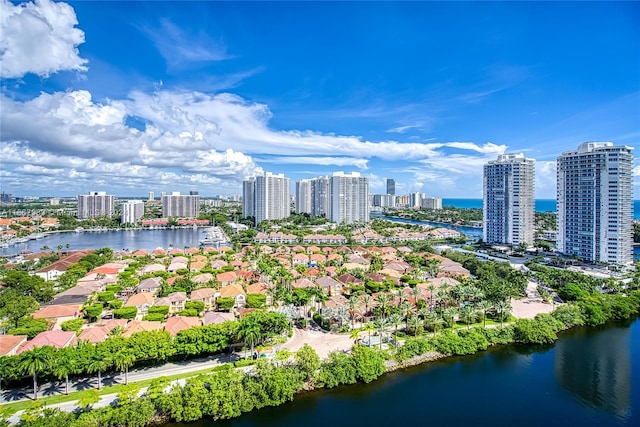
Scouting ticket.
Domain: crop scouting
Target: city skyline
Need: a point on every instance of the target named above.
(204, 95)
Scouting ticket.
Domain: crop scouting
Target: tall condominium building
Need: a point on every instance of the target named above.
(432, 203)
(248, 197)
(95, 204)
(391, 186)
(151, 196)
(594, 202)
(312, 196)
(415, 200)
(303, 196)
(132, 211)
(349, 198)
(180, 205)
(266, 197)
(508, 201)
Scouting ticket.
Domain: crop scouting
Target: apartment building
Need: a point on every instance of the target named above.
(595, 202)
(508, 200)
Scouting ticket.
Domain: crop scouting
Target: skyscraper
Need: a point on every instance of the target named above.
(391, 186)
(349, 198)
(180, 205)
(508, 200)
(248, 197)
(132, 211)
(594, 202)
(266, 197)
(303, 196)
(432, 203)
(95, 204)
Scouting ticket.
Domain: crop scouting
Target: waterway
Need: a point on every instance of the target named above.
(591, 377)
(114, 239)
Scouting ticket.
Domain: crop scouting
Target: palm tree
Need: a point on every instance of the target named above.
(380, 324)
(65, 365)
(123, 360)
(354, 335)
(34, 361)
(394, 320)
(405, 308)
(415, 293)
(467, 313)
(98, 363)
(432, 289)
(367, 302)
(369, 327)
(484, 306)
(449, 314)
(383, 302)
(414, 324)
(503, 308)
(250, 334)
(353, 304)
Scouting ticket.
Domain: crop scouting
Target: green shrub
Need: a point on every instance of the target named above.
(448, 342)
(106, 296)
(125, 313)
(116, 303)
(225, 304)
(188, 313)
(72, 325)
(336, 370)
(369, 363)
(198, 306)
(159, 309)
(154, 317)
(569, 314)
(499, 335)
(29, 326)
(256, 301)
(529, 331)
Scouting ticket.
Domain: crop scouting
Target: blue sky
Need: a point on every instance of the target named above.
(131, 97)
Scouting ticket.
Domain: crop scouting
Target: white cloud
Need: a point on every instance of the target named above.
(39, 37)
(180, 49)
(334, 161)
(196, 136)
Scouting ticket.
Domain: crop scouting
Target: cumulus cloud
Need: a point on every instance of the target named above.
(189, 136)
(39, 37)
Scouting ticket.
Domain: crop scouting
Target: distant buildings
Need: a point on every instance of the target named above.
(266, 197)
(391, 186)
(132, 211)
(384, 200)
(431, 203)
(415, 200)
(95, 204)
(594, 202)
(508, 200)
(312, 196)
(178, 205)
(151, 196)
(348, 198)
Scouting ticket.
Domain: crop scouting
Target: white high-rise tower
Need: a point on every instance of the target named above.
(595, 202)
(267, 196)
(508, 200)
(349, 198)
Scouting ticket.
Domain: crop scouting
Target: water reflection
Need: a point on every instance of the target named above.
(597, 369)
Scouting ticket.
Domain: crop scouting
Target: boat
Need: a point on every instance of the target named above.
(214, 236)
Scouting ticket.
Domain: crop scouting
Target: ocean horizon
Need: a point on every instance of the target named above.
(541, 205)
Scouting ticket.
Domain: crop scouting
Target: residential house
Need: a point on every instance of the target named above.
(203, 279)
(58, 313)
(233, 291)
(329, 285)
(135, 326)
(54, 270)
(227, 278)
(151, 268)
(216, 318)
(151, 284)
(176, 301)
(206, 296)
(300, 259)
(9, 344)
(176, 324)
(57, 339)
(303, 283)
(141, 301)
(94, 334)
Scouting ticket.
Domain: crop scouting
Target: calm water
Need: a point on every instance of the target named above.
(590, 378)
(115, 239)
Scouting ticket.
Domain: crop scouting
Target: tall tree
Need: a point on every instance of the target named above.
(98, 363)
(123, 360)
(65, 365)
(33, 362)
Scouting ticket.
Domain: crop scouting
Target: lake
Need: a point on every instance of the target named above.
(589, 378)
(115, 239)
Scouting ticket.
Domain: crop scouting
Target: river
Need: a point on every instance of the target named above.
(114, 239)
(591, 377)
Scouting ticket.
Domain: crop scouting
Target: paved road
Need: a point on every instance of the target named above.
(84, 383)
